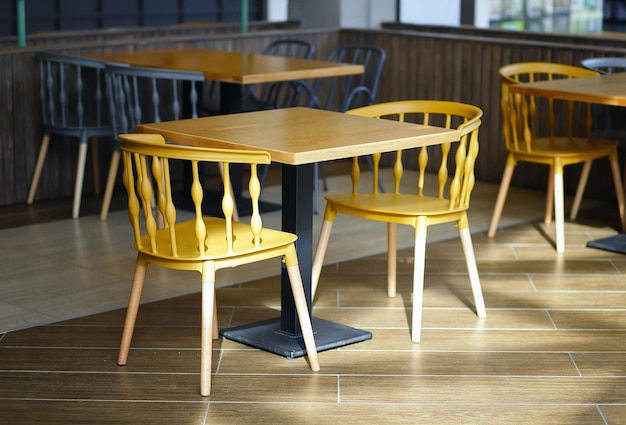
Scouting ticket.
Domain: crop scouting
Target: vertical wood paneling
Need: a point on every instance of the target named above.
(422, 65)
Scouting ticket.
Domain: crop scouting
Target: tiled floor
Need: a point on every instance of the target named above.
(552, 349)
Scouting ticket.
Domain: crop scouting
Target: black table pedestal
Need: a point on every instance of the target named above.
(283, 335)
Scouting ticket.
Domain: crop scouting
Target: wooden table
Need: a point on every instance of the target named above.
(232, 69)
(297, 138)
(604, 89)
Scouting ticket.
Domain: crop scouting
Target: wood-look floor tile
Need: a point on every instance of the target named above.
(495, 390)
(414, 412)
(457, 318)
(102, 360)
(552, 300)
(104, 337)
(384, 362)
(497, 340)
(28, 412)
(164, 386)
(587, 282)
(597, 319)
(614, 414)
(600, 364)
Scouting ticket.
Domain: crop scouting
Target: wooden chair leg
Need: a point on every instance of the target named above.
(131, 312)
(547, 218)
(472, 269)
(80, 175)
(559, 208)
(392, 258)
(318, 261)
(206, 350)
(216, 332)
(502, 192)
(303, 315)
(419, 261)
(95, 165)
(41, 157)
(580, 189)
(108, 190)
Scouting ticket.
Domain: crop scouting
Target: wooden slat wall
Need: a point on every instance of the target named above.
(19, 120)
(64, 37)
(427, 65)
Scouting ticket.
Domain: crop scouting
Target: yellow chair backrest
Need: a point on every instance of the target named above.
(521, 115)
(147, 165)
(463, 117)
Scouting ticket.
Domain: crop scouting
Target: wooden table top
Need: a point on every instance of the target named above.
(231, 67)
(604, 89)
(299, 136)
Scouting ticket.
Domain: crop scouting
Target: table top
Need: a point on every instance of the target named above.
(300, 135)
(230, 67)
(605, 89)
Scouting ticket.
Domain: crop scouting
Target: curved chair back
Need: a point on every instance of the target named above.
(139, 95)
(290, 48)
(520, 113)
(72, 94)
(282, 93)
(352, 91)
(463, 117)
(147, 163)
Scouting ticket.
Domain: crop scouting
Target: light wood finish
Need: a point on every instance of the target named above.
(446, 200)
(298, 136)
(604, 89)
(552, 350)
(201, 244)
(558, 144)
(231, 67)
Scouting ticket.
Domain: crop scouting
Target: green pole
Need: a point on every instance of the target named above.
(21, 24)
(244, 15)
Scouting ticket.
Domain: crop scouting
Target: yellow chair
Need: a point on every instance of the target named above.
(203, 244)
(525, 143)
(446, 201)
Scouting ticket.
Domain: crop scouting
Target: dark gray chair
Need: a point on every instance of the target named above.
(141, 95)
(271, 95)
(349, 92)
(71, 91)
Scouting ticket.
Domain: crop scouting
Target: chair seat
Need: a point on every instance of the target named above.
(564, 147)
(216, 247)
(389, 204)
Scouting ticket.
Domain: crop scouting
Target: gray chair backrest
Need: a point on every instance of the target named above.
(291, 48)
(283, 93)
(353, 91)
(71, 91)
(140, 95)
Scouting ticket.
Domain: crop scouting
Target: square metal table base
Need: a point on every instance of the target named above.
(615, 243)
(268, 336)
